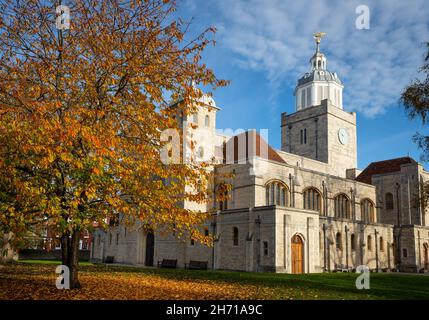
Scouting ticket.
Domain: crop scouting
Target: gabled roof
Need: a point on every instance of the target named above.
(380, 167)
(251, 144)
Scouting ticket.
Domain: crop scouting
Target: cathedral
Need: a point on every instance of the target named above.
(303, 209)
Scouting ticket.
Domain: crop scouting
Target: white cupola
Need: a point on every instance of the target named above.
(319, 83)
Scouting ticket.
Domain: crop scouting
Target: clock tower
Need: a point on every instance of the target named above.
(319, 128)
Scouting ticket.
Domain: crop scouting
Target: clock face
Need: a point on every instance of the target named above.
(343, 136)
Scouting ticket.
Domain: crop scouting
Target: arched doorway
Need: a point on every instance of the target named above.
(150, 248)
(426, 256)
(297, 255)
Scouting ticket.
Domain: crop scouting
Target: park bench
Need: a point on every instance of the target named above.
(197, 265)
(342, 268)
(167, 263)
(109, 259)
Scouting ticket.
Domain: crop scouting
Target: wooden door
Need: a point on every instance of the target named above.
(297, 255)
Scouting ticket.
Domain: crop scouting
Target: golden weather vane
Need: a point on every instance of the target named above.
(318, 37)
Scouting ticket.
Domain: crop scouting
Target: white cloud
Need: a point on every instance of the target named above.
(275, 36)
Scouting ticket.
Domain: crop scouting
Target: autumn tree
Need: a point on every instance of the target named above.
(82, 110)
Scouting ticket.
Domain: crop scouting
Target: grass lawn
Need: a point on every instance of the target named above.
(55, 262)
(36, 280)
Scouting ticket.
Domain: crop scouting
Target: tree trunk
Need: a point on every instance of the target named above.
(70, 258)
(65, 239)
(7, 254)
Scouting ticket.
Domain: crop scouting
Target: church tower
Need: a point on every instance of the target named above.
(319, 128)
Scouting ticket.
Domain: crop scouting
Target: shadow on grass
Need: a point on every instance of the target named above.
(284, 286)
(306, 286)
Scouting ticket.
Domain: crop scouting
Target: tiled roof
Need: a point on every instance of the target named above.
(380, 167)
(249, 141)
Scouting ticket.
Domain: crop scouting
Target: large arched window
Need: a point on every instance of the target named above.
(235, 236)
(276, 193)
(389, 201)
(367, 210)
(312, 199)
(342, 206)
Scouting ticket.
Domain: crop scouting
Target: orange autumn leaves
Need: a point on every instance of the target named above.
(81, 113)
(33, 282)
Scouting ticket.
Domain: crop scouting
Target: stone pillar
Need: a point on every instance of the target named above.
(286, 243)
(249, 242)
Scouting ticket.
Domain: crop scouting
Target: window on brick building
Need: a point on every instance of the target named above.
(303, 137)
(353, 242)
(265, 248)
(389, 201)
(235, 236)
(338, 241)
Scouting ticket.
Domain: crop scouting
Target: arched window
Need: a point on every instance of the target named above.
(369, 243)
(338, 241)
(367, 210)
(381, 244)
(235, 236)
(276, 193)
(342, 206)
(312, 199)
(389, 201)
(207, 121)
(353, 242)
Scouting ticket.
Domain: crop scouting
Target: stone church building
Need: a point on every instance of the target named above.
(305, 208)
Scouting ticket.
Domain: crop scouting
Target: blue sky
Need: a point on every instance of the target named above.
(263, 47)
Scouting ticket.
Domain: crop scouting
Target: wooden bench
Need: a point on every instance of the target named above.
(109, 259)
(167, 263)
(197, 265)
(342, 268)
